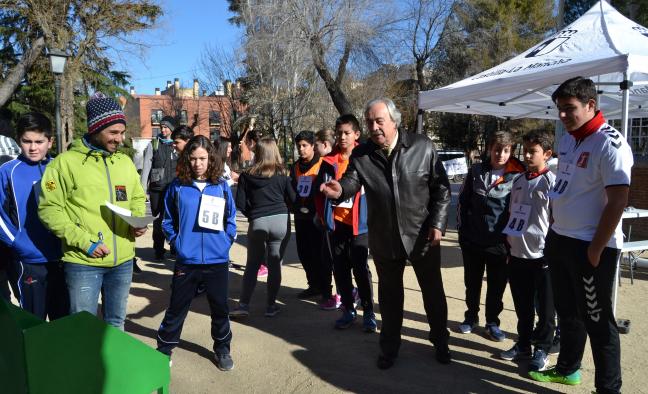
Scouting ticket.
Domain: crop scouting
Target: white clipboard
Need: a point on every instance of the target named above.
(127, 216)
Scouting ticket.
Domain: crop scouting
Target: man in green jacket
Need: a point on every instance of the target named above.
(98, 246)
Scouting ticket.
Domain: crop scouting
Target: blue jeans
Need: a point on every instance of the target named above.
(85, 282)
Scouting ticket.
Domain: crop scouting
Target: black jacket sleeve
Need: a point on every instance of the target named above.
(290, 193)
(439, 195)
(464, 199)
(241, 197)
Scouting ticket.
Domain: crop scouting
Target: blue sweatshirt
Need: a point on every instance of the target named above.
(195, 244)
(20, 227)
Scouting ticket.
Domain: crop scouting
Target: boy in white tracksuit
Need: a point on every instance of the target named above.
(529, 277)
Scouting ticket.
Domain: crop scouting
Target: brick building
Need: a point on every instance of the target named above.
(210, 115)
(638, 140)
(638, 199)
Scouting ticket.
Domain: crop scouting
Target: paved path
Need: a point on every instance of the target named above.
(299, 351)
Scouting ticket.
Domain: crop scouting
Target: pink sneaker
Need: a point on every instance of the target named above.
(331, 304)
(263, 271)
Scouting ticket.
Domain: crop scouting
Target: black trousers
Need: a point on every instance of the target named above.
(308, 238)
(157, 208)
(6, 258)
(530, 281)
(475, 260)
(41, 288)
(186, 278)
(583, 298)
(391, 298)
(350, 253)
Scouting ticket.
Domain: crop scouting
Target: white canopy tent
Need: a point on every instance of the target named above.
(602, 45)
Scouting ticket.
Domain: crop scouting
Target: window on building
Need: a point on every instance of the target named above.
(156, 116)
(214, 118)
(182, 115)
(155, 131)
(637, 135)
(214, 133)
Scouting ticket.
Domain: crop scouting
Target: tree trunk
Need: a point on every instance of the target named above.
(338, 97)
(17, 74)
(420, 76)
(67, 107)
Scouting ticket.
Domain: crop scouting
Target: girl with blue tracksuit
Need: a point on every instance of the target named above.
(36, 269)
(200, 222)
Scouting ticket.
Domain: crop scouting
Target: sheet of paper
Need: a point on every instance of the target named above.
(127, 215)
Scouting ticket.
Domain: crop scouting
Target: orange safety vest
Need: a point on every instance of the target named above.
(312, 173)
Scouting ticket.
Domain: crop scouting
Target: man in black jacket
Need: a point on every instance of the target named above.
(408, 195)
(160, 159)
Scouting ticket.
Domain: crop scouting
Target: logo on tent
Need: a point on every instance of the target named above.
(641, 30)
(552, 44)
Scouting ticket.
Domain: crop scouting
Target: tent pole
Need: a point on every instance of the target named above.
(625, 104)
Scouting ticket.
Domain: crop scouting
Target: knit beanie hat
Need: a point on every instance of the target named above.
(103, 112)
(169, 122)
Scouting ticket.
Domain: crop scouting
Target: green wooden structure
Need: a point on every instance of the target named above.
(75, 354)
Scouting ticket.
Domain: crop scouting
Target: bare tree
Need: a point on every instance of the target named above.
(425, 22)
(324, 36)
(278, 74)
(87, 30)
(18, 72)
(33, 22)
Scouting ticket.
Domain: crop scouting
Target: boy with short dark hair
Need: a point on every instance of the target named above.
(308, 235)
(159, 170)
(584, 242)
(528, 270)
(37, 270)
(346, 225)
(180, 136)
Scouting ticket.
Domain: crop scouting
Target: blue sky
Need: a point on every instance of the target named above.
(176, 44)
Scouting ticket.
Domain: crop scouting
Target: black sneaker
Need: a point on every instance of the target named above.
(443, 355)
(159, 257)
(308, 293)
(224, 362)
(516, 353)
(539, 361)
(384, 362)
(272, 310)
(136, 268)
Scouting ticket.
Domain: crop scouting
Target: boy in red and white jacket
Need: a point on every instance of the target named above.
(584, 242)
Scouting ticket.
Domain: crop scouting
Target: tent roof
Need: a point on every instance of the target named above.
(601, 45)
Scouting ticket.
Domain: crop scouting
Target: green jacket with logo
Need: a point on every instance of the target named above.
(74, 191)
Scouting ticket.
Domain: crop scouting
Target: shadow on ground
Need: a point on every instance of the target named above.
(343, 358)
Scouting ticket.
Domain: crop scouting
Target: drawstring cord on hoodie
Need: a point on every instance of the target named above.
(93, 149)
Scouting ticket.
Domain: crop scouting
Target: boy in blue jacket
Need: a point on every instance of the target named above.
(36, 270)
(200, 222)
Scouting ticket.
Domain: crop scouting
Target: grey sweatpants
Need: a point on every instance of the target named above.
(267, 235)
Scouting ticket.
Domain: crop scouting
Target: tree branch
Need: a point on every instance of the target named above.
(18, 72)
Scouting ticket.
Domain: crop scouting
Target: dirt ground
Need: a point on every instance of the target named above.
(299, 351)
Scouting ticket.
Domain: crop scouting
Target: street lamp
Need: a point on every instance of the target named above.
(57, 63)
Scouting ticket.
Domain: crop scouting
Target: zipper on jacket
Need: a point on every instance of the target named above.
(112, 214)
(202, 234)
